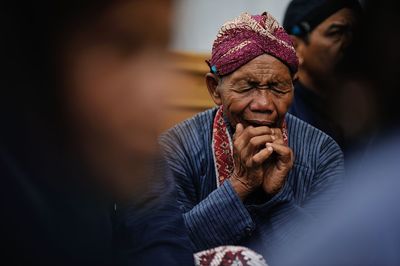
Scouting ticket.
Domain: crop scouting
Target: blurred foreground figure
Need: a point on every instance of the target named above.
(363, 228)
(246, 167)
(321, 30)
(80, 180)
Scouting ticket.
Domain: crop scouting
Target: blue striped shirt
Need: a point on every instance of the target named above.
(217, 216)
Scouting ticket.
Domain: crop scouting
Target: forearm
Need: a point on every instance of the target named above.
(220, 219)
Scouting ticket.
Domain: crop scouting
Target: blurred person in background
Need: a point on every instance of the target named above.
(363, 227)
(81, 183)
(247, 168)
(321, 30)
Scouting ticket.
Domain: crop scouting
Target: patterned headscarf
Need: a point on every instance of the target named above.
(247, 37)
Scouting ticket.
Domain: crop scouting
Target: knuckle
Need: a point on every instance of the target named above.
(286, 150)
(249, 163)
(236, 144)
(253, 142)
(256, 160)
(247, 130)
(242, 155)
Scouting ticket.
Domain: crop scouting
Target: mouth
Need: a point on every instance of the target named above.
(260, 123)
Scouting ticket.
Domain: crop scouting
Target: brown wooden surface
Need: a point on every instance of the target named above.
(192, 97)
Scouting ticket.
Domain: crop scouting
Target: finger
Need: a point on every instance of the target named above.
(249, 132)
(277, 132)
(258, 142)
(276, 138)
(285, 154)
(255, 145)
(263, 130)
(279, 141)
(238, 140)
(262, 156)
(238, 131)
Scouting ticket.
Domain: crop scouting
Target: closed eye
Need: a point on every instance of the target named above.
(338, 29)
(279, 88)
(243, 89)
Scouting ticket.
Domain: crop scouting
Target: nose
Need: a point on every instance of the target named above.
(262, 102)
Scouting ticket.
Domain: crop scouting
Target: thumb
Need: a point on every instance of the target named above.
(239, 130)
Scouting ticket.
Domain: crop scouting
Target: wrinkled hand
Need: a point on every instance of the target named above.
(250, 152)
(279, 164)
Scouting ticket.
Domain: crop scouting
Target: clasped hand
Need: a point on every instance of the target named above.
(261, 159)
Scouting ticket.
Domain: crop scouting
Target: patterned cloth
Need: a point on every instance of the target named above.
(247, 37)
(223, 149)
(227, 256)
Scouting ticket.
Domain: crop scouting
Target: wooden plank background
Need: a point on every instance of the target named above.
(192, 98)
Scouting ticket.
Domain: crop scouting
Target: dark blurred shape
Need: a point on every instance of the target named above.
(302, 16)
(76, 138)
(362, 228)
(370, 73)
(321, 30)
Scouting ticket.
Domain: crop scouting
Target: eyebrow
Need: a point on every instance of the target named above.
(337, 24)
(273, 79)
(271, 82)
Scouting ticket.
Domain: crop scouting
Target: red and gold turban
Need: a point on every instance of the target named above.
(246, 37)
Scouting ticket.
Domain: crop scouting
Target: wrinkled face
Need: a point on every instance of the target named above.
(326, 43)
(259, 93)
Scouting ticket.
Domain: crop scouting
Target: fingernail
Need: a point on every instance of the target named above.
(269, 147)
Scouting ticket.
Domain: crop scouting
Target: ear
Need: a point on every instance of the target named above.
(212, 82)
(299, 45)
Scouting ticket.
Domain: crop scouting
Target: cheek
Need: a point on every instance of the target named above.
(235, 104)
(283, 104)
(115, 108)
(332, 50)
(118, 84)
(327, 50)
(117, 101)
(317, 60)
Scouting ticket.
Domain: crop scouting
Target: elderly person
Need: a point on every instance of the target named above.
(247, 168)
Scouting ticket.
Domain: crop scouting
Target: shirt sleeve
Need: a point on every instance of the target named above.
(219, 219)
(151, 231)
